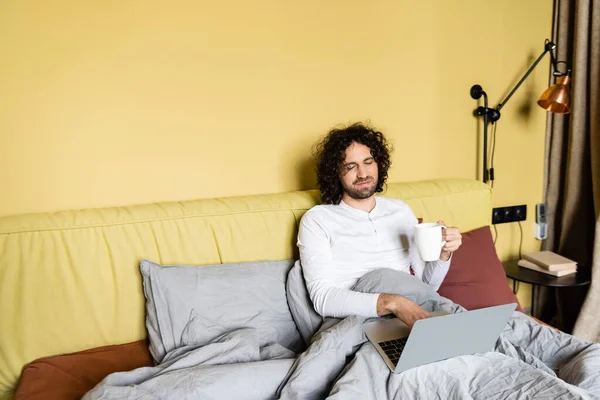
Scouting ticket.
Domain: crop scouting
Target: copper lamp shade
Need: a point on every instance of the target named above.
(557, 98)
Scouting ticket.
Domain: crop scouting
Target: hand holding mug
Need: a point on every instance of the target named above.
(452, 241)
(436, 241)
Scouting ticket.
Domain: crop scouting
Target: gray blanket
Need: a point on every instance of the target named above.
(530, 361)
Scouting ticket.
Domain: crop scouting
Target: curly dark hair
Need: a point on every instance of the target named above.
(331, 152)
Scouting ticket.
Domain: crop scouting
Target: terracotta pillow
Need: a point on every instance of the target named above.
(70, 376)
(476, 278)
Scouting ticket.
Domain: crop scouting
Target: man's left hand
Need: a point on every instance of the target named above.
(453, 240)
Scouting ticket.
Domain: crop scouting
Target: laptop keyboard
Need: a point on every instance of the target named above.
(393, 348)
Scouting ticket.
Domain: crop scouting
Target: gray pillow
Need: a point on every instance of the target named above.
(307, 319)
(387, 280)
(192, 305)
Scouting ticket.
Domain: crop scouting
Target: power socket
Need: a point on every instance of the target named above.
(502, 215)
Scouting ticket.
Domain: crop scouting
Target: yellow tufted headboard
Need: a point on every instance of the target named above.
(69, 281)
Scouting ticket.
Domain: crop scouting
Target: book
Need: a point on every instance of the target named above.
(549, 260)
(535, 267)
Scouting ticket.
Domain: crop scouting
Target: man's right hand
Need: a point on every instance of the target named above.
(406, 310)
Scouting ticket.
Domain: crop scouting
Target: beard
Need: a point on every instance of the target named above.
(361, 193)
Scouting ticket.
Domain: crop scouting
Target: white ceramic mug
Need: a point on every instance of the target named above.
(428, 237)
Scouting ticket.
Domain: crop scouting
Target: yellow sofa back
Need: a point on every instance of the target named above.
(69, 281)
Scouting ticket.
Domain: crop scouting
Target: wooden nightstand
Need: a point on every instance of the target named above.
(520, 274)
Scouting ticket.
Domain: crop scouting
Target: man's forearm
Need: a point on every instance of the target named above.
(340, 303)
(435, 272)
(406, 310)
(386, 303)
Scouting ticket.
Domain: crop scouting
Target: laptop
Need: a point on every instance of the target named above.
(437, 338)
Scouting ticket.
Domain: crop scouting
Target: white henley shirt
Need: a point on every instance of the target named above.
(339, 244)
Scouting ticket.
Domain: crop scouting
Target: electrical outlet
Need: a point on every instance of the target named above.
(520, 213)
(502, 215)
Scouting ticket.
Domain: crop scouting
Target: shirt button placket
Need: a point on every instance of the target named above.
(375, 237)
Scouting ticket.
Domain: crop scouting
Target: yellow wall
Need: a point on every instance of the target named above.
(121, 102)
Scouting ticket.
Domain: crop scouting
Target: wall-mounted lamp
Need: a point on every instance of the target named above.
(555, 99)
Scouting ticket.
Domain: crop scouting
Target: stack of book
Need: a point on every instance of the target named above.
(549, 263)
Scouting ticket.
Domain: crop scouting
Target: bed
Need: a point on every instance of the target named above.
(205, 299)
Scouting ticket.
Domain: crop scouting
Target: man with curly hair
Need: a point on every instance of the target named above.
(354, 232)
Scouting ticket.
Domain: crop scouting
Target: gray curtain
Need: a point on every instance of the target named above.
(572, 171)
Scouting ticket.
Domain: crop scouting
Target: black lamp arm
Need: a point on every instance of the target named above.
(548, 47)
(491, 115)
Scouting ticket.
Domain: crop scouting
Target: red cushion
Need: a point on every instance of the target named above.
(476, 278)
(70, 376)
